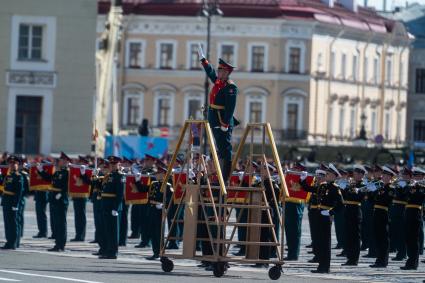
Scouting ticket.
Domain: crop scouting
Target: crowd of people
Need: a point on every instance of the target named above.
(374, 208)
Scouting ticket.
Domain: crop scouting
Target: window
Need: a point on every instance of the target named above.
(387, 125)
(294, 60)
(132, 110)
(376, 73)
(399, 121)
(228, 53)
(292, 116)
(420, 80)
(163, 112)
(389, 73)
(164, 106)
(194, 63)
(353, 122)
(30, 42)
(355, 67)
(341, 121)
(343, 66)
(366, 70)
(194, 108)
(166, 56)
(333, 63)
(255, 111)
(135, 54)
(330, 120)
(28, 124)
(257, 58)
(319, 61)
(255, 105)
(373, 122)
(419, 130)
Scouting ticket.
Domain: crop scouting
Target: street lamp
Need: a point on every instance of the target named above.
(209, 9)
(362, 133)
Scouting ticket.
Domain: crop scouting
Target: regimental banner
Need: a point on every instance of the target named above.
(131, 194)
(37, 183)
(296, 192)
(77, 188)
(238, 196)
(179, 180)
(4, 170)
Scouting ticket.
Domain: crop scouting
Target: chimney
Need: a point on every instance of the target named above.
(349, 4)
(329, 3)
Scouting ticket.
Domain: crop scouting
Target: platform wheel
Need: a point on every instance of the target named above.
(275, 272)
(167, 264)
(219, 268)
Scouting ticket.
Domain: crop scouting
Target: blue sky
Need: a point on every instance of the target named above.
(390, 3)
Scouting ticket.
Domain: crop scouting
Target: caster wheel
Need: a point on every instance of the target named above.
(167, 265)
(275, 272)
(219, 269)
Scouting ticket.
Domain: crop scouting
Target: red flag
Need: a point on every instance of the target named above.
(295, 190)
(233, 195)
(4, 170)
(37, 183)
(179, 180)
(76, 187)
(131, 194)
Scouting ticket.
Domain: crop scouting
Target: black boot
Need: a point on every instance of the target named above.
(227, 167)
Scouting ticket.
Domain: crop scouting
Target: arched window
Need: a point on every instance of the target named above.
(132, 112)
(163, 114)
(293, 111)
(255, 105)
(193, 101)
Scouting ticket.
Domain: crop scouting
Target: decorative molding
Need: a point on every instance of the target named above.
(354, 101)
(389, 104)
(31, 79)
(343, 99)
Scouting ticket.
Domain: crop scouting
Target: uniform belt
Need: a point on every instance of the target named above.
(215, 106)
(400, 202)
(352, 202)
(325, 207)
(9, 193)
(154, 202)
(380, 207)
(55, 190)
(108, 195)
(294, 200)
(417, 206)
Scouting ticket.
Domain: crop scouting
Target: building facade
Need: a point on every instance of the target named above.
(47, 71)
(316, 70)
(413, 17)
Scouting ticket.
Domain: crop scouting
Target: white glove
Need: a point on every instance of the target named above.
(40, 167)
(200, 52)
(303, 175)
(138, 176)
(114, 213)
(158, 206)
(58, 196)
(14, 209)
(83, 169)
(224, 129)
(371, 187)
(325, 212)
(25, 165)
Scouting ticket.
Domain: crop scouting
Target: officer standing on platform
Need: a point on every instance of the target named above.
(112, 198)
(58, 198)
(12, 194)
(222, 104)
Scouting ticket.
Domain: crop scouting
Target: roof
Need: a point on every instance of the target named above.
(366, 19)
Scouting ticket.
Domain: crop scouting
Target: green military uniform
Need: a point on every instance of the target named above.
(12, 194)
(222, 104)
(21, 207)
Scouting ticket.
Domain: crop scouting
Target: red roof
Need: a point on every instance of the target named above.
(364, 19)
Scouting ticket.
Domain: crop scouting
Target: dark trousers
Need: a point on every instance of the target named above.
(339, 227)
(398, 230)
(242, 215)
(21, 210)
(293, 223)
(10, 226)
(40, 210)
(380, 220)
(324, 242)
(177, 229)
(313, 218)
(110, 235)
(352, 225)
(60, 209)
(367, 229)
(202, 231)
(265, 236)
(144, 223)
(123, 225)
(135, 220)
(52, 218)
(80, 219)
(413, 225)
(223, 141)
(97, 215)
(154, 225)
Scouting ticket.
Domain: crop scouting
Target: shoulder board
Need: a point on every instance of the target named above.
(24, 173)
(169, 184)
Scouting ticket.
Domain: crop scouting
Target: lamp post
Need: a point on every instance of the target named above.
(209, 9)
(362, 133)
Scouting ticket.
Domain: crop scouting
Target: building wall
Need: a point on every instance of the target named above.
(65, 78)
